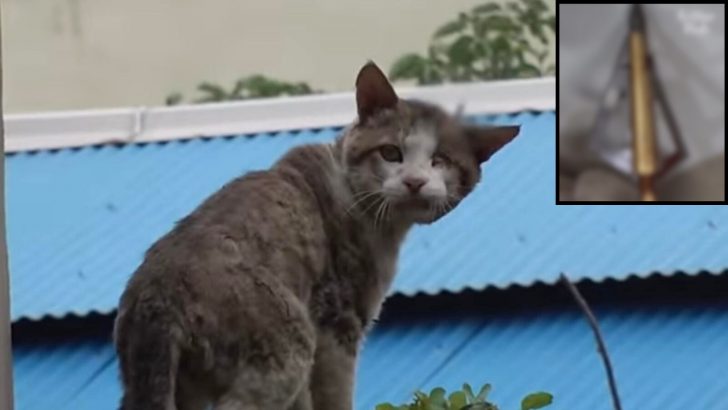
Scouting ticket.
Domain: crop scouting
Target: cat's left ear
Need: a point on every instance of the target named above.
(373, 91)
(486, 141)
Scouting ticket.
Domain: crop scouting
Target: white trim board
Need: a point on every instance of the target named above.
(143, 124)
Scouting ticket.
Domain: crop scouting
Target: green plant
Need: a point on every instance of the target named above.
(489, 42)
(255, 86)
(465, 400)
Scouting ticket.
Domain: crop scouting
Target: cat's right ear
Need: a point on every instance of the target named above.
(373, 91)
(486, 141)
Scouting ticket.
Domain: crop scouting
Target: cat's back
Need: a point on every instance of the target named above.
(264, 221)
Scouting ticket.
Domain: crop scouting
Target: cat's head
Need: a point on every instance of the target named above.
(410, 161)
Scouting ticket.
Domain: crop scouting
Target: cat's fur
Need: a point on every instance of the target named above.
(260, 298)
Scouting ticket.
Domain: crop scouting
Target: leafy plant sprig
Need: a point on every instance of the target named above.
(464, 400)
(490, 41)
(255, 86)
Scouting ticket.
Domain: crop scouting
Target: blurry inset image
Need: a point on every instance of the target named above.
(641, 103)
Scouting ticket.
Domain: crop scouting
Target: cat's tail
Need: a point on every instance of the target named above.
(148, 345)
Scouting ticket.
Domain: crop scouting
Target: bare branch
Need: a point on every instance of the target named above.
(601, 347)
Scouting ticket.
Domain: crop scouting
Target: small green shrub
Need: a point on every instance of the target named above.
(491, 41)
(465, 400)
(255, 86)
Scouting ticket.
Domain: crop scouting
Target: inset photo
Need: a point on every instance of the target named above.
(641, 101)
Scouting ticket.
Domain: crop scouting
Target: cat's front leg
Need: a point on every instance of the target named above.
(332, 382)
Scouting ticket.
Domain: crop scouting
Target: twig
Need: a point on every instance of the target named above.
(602, 348)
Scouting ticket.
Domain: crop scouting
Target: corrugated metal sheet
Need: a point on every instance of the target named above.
(51, 375)
(79, 220)
(657, 352)
(665, 357)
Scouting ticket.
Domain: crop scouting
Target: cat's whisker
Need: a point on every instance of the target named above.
(374, 203)
(377, 214)
(385, 211)
(386, 215)
(363, 193)
(383, 215)
(451, 198)
(378, 219)
(431, 208)
(363, 196)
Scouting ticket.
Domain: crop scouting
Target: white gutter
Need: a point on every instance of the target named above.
(77, 128)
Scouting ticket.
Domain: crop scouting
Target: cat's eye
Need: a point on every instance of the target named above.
(390, 153)
(439, 160)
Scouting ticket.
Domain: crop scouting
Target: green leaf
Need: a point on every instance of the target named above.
(535, 27)
(551, 22)
(480, 29)
(536, 401)
(260, 86)
(385, 406)
(432, 73)
(303, 88)
(421, 400)
(483, 393)
(408, 66)
(526, 70)
(457, 400)
(481, 50)
(502, 46)
(515, 7)
(525, 45)
(436, 56)
(536, 5)
(173, 99)
(487, 8)
(449, 28)
(461, 52)
(214, 91)
(500, 23)
(237, 92)
(437, 395)
(468, 393)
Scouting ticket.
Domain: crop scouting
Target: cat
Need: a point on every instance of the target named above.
(261, 297)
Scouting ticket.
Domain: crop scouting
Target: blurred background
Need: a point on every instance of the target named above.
(76, 54)
(687, 46)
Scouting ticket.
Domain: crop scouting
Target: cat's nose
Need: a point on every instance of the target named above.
(414, 183)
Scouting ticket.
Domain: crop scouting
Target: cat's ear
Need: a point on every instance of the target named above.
(486, 141)
(373, 91)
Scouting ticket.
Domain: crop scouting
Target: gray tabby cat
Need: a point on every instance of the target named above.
(260, 298)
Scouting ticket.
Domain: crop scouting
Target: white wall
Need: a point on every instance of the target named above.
(70, 54)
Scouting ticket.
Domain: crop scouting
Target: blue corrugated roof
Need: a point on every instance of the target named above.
(79, 220)
(665, 357)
